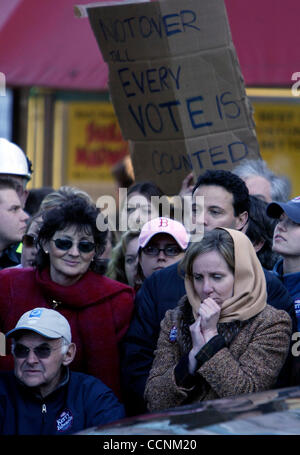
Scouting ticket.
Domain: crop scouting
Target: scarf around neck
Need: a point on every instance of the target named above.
(249, 289)
(91, 288)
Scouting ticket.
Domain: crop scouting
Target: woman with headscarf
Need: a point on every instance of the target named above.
(222, 339)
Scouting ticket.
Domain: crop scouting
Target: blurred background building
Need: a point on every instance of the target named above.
(56, 103)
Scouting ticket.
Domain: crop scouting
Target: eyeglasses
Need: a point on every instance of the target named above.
(171, 250)
(43, 351)
(29, 240)
(83, 246)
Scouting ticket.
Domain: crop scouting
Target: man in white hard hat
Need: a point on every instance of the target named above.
(16, 165)
(41, 395)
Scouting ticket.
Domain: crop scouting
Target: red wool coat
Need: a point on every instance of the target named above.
(98, 310)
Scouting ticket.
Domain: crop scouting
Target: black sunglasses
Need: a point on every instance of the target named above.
(84, 246)
(43, 351)
(29, 240)
(171, 250)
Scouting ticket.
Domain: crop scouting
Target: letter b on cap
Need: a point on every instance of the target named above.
(163, 222)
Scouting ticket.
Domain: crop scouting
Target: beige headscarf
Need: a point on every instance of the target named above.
(249, 290)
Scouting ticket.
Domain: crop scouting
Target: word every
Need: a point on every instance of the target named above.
(151, 80)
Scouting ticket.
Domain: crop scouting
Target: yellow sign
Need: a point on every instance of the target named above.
(278, 132)
(95, 142)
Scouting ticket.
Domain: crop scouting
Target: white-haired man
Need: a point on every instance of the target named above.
(41, 395)
(262, 182)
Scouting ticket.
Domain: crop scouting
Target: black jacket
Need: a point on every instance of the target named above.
(10, 257)
(159, 293)
(81, 401)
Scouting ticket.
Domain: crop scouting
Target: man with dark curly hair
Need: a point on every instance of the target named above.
(226, 200)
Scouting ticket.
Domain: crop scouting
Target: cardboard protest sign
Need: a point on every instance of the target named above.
(176, 87)
(149, 30)
(169, 101)
(180, 157)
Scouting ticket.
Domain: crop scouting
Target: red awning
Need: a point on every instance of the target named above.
(43, 43)
(267, 40)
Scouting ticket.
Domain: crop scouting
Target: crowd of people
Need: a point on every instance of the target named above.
(101, 325)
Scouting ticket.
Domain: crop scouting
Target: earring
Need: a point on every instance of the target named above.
(46, 251)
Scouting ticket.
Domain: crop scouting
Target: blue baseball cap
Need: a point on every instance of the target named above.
(290, 208)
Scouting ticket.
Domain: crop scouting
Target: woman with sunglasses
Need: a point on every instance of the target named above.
(66, 279)
(162, 242)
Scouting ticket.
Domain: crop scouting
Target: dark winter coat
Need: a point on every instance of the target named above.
(97, 308)
(81, 401)
(159, 293)
(292, 283)
(246, 357)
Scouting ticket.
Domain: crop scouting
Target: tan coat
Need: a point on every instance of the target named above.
(251, 363)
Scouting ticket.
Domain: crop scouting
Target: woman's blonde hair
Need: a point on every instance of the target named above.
(216, 240)
(116, 265)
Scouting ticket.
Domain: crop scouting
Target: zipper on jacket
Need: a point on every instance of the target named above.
(44, 414)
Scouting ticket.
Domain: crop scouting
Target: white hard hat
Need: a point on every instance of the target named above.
(13, 160)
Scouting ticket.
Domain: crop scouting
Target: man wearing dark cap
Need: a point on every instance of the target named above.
(286, 242)
(42, 396)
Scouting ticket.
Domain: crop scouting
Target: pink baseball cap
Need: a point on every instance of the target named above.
(164, 225)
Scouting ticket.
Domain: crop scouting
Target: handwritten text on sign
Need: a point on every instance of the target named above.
(219, 155)
(119, 31)
(196, 154)
(171, 69)
(159, 29)
(176, 87)
(164, 99)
